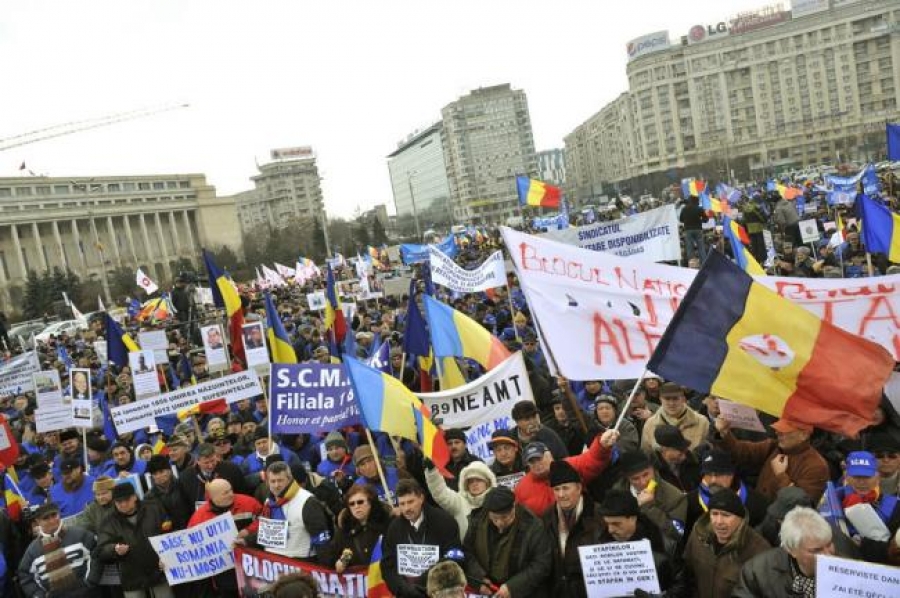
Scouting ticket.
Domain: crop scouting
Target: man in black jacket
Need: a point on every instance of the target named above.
(168, 491)
(210, 467)
(416, 541)
(693, 217)
(509, 553)
(124, 540)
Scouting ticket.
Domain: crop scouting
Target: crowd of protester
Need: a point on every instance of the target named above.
(726, 511)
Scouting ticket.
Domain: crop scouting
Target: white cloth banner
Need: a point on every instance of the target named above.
(602, 316)
(445, 272)
(651, 235)
(836, 577)
(197, 552)
(145, 283)
(15, 374)
(482, 405)
(142, 413)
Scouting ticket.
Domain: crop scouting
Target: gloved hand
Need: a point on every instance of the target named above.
(428, 463)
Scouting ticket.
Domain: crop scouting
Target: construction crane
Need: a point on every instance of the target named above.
(82, 125)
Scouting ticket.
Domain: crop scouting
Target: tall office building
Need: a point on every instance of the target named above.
(419, 182)
(286, 189)
(762, 92)
(487, 142)
(92, 225)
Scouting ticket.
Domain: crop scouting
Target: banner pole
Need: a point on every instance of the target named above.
(627, 404)
(387, 491)
(869, 264)
(269, 418)
(87, 463)
(512, 312)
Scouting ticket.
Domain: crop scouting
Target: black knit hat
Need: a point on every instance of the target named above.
(562, 472)
(618, 503)
(634, 461)
(454, 434)
(70, 434)
(158, 463)
(499, 500)
(98, 444)
(728, 501)
(716, 462)
(670, 437)
(123, 490)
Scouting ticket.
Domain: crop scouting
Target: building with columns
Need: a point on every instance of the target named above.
(89, 225)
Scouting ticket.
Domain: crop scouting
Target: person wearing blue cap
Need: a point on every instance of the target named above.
(861, 492)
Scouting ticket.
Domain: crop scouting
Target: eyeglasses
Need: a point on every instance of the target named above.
(356, 503)
(886, 455)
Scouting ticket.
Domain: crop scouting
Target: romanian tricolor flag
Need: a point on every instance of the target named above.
(739, 240)
(537, 193)
(215, 406)
(388, 406)
(456, 334)
(118, 343)
(159, 447)
(691, 187)
(377, 586)
(279, 342)
(13, 499)
(225, 296)
(735, 338)
(880, 228)
(788, 192)
(334, 315)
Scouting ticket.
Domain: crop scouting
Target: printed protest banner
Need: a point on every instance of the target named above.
(255, 346)
(54, 411)
(618, 569)
(100, 350)
(197, 552)
(156, 341)
(837, 577)
(143, 373)
(445, 272)
(651, 235)
(742, 417)
(482, 405)
(316, 300)
(272, 533)
(602, 315)
(81, 402)
(15, 374)
(310, 397)
(414, 560)
(809, 230)
(142, 414)
(256, 569)
(214, 348)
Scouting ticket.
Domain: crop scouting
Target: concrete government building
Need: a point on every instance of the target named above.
(94, 224)
(744, 98)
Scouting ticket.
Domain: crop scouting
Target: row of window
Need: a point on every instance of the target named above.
(91, 188)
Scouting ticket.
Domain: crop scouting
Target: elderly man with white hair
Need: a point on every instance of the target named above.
(788, 571)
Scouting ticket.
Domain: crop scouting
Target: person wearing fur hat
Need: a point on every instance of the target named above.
(460, 457)
(338, 463)
(74, 491)
(169, 491)
(719, 545)
(125, 463)
(509, 552)
(446, 580)
(69, 448)
(475, 480)
(101, 506)
(99, 460)
(673, 459)
(606, 414)
(571, 522)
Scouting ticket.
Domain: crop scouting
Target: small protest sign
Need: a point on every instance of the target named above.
(197, 552)
(272, 533)
(742, 417)
(618, 569)
(415, 559)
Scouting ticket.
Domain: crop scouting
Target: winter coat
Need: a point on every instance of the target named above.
(567, 579)
(715, 575)
(530, 560)
(175, 501)
(93, 515)
(807, 469)
(550, 438)
(688, 476)
(77, 543)
(755, 504)
(667, 510)
(460, 503)
(438, 529)
(785, 214)
(139, 567)
(629, 438)
(360, 539)
(693, 426)
(767, 575)
(456, 467)
(195, 488)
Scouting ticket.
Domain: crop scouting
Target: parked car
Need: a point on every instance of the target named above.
(57, 328)
(24, 331)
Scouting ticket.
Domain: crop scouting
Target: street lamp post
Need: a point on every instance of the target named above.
(412, 197)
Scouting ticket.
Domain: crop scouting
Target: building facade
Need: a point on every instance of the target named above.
(747, 97)
(92, 225)
(419, 181)
(286, 190)
(487, 142)
(551, 166)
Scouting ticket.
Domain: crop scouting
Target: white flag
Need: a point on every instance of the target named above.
(100, 305)
(78, 315)
(145, 283)
(66, 298)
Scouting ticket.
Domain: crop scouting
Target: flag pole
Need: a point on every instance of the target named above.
(869, 264)
(387, 491)
(269, 417)
(627, 404)
(87, 463)
(512, 312)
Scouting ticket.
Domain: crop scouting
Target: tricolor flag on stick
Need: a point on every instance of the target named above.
(455, 334)
(215, 406)
(735, 338)
(145, 283)
(537, 193)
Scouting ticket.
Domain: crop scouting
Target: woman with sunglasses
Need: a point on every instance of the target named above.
(359, 525)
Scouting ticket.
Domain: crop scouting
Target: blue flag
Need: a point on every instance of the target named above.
(893, 141)
(381, 359)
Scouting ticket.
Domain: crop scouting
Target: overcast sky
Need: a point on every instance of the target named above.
(349, 78)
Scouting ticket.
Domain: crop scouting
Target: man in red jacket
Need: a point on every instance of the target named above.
(245, 509)
(534, 491)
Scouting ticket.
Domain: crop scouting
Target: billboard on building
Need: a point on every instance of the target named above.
(292, 153)
(801, 8)
(705, 33)
(759, 18)
(646, 44)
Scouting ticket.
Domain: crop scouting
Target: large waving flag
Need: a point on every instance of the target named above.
(225, 296)
(334, 315)
(388, 406)
(734, 338)
(279, 342)
(118, 343)
(456, 334)
(537, 193)
(377, 586)
(880, 228)
(738, 238)
(13, 499)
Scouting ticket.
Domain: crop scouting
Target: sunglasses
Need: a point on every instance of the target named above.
(356, 503)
